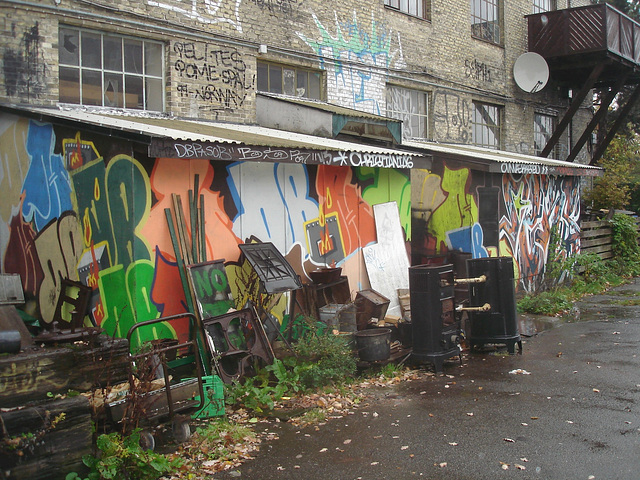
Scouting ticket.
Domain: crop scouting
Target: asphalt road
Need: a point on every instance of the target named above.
(572, 412)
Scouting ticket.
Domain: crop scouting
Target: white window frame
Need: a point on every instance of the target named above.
(416, 8)
(288, 73)
(412, 107)
(486, 20)
(151, 83)
(486, 125)
(541, 6)
(543, 127)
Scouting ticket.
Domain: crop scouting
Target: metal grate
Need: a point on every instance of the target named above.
(275, 273)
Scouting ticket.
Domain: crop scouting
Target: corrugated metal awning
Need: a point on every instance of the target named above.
(179, 138)
(500, 161)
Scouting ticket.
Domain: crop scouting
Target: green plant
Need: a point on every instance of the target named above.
(390, 370)
(217, 439)
(313, 416)
(552, 302)
(320, 360)
(325, 359)
(589, 274)
(625, 239)
(122, 458)
(270, 384)
(555, 269)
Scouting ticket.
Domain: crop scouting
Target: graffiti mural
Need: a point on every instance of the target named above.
(452, 210)
(358, 54)
(533, 205)
(458, 212)
(71, 212)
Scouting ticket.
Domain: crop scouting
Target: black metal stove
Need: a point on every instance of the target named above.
(499, 323)
(435, 328)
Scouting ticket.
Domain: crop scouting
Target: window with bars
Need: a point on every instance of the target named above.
(543, 126)
(110, 70)
(486, 125)
(299, 82)
(485, 20)
(540, 6)
(417, 8)
(412, 107)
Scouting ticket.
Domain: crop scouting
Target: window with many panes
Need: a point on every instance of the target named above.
(485, 20)
(412, 107)
(543, 126)
(110, 70)
(486, 125)
(418, 8)
(300, 82)
(540, 6)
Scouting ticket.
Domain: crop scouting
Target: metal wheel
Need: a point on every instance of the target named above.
(147, 442)
(181, 429)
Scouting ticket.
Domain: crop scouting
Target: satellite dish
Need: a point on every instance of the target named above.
(531, 72)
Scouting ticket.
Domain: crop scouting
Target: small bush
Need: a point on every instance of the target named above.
(122, 458)
(218, 439)
(325, 359)
(552, 303)
(321, 359)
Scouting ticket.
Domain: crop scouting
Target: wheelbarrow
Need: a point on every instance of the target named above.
(165, 385)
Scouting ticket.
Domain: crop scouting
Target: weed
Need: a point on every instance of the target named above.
(217, 439)
(390, 370)
(313, 416)
(123, 458)
(321, 359)
(597, 276)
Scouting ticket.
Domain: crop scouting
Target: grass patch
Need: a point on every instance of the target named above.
(313, 416)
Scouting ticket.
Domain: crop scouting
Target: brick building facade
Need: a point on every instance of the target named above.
(85, 189)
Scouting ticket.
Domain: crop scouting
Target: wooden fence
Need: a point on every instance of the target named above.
(596, 237)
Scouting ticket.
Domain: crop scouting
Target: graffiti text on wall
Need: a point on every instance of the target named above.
(477, 70)
(452, 117)
(357, 57)
(173, 149)
(212, 11)
(277, 6)
(212, 74)
(538, 169)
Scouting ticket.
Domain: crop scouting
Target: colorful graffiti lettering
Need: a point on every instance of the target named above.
(127, 300)
(59, 246)
(459, 209)
(535, 203)
(279, 203)
(171, 176)
(46, 187)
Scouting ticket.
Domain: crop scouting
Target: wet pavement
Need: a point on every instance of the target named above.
(567, 408)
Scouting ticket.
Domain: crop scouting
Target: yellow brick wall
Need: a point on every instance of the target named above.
(211, 50)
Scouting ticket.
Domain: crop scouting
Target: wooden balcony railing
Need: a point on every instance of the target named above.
(592, 29)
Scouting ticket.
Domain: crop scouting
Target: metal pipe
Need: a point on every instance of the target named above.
(484, 308)
(465, 281)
